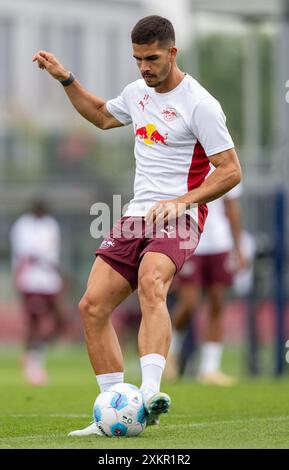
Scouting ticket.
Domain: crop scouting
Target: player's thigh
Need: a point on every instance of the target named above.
(106, 286)
(155, 275)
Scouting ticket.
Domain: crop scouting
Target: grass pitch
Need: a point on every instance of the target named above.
(252, 414)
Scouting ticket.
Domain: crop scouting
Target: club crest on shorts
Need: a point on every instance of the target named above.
(107, 244)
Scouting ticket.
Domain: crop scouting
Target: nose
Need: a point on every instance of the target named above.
(144, 67)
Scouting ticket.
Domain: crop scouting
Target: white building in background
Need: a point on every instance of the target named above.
(91, 37)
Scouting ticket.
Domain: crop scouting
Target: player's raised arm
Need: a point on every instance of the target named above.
(89, 106)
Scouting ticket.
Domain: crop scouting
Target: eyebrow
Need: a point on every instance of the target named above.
(149, 57)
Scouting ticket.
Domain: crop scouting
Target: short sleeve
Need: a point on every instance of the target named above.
(118, 107)
(209, 126)
(235, 192)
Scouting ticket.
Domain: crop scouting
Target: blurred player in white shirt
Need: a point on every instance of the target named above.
(217, 258)
(35, 246)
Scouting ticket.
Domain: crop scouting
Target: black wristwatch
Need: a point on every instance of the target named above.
(68, 81)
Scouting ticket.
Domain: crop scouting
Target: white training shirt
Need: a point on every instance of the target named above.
(39, 238)
(175, 132)
(217, 235)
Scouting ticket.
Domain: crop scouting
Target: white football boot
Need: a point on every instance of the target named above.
(217, 378)
(90, 430)
(33, 369)
(156, 405)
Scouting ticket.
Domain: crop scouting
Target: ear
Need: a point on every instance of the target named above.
(173, 52)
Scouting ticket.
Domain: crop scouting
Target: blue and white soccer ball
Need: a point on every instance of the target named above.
(119, 411)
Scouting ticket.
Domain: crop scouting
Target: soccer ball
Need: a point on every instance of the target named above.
(119, 411)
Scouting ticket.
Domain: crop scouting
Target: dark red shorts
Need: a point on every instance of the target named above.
(131, 238)
(207, 270)
(36, 304)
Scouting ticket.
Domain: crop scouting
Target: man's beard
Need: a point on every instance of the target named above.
(155, 85)
(152, 85)
(164, 73)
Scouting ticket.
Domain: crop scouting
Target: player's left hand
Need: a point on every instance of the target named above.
(163, 211)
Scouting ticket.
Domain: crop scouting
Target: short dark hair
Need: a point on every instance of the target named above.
(153, 28)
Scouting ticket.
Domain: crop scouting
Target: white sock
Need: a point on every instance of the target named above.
(37, 357)
(152, 367)
(210, 360)
(106, 381)
(177, 341)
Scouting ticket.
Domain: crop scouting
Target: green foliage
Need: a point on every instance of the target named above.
(221, 65)
(221, 59)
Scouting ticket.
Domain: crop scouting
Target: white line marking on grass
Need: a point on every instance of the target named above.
(179, 425)
(231, 421)
(44, 415)
(41, 437)
(170, 426)
(63, 435)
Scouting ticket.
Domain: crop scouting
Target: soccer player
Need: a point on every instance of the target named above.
(179, 129)
(217, 258)
(35, 246)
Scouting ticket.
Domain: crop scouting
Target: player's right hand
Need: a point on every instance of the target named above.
(47, 61)
(241, 261)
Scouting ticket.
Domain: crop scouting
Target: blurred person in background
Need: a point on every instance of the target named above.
(210, 270)
(35, 247)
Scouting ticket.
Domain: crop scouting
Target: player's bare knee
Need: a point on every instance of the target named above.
(151, 289)
(92, 309)
(182, 317)
(215, 313)
(216, 306)
(186, 307)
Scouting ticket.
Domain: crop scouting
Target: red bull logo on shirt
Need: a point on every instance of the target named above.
(150, 135)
